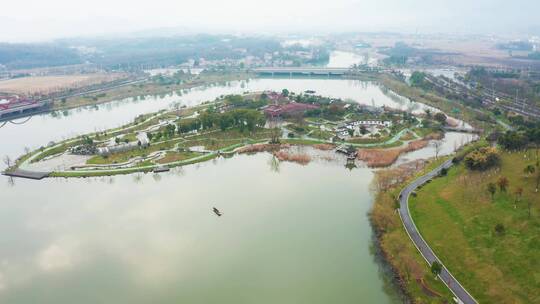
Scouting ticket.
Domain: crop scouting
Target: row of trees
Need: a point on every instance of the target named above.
(515, 140)
(502, 184)
(419, 80)
(238, 101)
(245, 119)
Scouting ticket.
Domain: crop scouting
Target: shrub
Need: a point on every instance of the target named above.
(436, 268)
(499, 229)
(482, 158)
(443, 172)
(441, 118)
(513, 140)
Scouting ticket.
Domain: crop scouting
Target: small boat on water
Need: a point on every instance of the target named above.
(217, 212)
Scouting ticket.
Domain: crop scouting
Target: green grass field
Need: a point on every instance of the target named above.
(457, 217)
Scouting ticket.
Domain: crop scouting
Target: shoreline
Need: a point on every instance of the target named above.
(250, 146)
(389, 231)
(82, 100)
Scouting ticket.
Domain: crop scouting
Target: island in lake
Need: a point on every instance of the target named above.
(247, 123)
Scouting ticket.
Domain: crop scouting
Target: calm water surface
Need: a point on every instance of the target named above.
(289, 234)
(299, 235)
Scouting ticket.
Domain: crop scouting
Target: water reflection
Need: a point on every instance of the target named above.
(160, 242)
(274, 164)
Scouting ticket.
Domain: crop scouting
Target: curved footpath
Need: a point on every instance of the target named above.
(459, 291)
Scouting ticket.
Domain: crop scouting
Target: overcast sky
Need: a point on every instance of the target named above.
(31, 20)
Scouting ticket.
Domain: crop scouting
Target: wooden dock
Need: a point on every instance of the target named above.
(27, 174)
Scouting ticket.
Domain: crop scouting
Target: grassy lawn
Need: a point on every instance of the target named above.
(129, 137)
(457, 217)
(373, 140)
(324, 135)
(211, 141)
(423, 132)
(56, 150)
(177, 156)
(407, 136)
(125, 156)
(299, 141)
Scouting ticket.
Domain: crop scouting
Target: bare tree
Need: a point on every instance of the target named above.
(437, 144)
(298, 118)
(11, 183)
(275, 130)
(7, 160)
(274, 164)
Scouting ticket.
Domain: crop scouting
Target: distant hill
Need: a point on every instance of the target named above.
(22, 56)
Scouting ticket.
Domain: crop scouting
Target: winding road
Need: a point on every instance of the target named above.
(457, 289)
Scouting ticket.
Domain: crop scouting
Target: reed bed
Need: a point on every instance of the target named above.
(376, 158)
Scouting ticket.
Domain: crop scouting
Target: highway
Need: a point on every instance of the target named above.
(459, 291)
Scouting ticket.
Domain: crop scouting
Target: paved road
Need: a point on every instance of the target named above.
(458, 290)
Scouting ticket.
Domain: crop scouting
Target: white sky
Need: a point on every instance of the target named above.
(24, 20)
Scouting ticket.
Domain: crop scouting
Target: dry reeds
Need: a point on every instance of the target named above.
(386, 157)
(434, 136)
(260, 148)
(300, 158)
(324, 147)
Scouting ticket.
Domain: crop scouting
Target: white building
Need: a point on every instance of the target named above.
(372, 126)
(366, 123)
(142, 141)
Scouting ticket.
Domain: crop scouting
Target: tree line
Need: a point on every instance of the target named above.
(243, 119)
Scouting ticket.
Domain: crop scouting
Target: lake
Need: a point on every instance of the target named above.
(288, 234)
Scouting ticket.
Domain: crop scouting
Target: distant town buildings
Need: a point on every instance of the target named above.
(283, 58)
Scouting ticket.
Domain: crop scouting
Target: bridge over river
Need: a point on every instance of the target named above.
(301, 71)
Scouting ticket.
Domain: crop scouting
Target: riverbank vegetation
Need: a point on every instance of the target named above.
(385, 157)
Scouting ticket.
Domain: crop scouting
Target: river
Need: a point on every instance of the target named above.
(288, 234)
